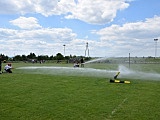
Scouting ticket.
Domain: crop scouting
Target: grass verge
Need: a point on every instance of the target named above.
(56, 97)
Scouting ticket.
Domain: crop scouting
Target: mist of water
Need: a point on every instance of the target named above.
(97, 60)
(130, 73)
(135, 74)
(70, 71)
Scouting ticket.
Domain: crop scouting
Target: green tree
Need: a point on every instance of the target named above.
(31, 56)
(43, 57)
(18, 58)
(59, 56)
(24, 57)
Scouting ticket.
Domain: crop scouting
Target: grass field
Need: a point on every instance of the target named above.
(37, 94)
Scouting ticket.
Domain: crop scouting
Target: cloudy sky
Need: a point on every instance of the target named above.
(110, 27)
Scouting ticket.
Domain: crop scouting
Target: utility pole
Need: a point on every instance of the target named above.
(155, 47)
(64, 49)
(129, 60)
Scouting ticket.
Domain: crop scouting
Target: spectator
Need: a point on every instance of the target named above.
(82, 62)
(76, 64)
(0, 64)
(8, 68)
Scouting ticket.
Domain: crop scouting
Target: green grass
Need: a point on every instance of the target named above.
(26, 96)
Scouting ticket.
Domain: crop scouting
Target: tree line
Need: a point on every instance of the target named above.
(32, 56)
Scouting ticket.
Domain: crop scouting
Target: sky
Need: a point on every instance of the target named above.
(112, 28)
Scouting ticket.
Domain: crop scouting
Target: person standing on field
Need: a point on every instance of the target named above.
(0, 64)
(82, 62)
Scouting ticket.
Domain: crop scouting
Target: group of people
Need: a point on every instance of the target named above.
(76, 64)
(7, 67)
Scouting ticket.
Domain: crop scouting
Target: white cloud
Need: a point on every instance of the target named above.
(40, 41)
(46, 7)
(137, 30)
(16, 6)
(97, 11)
(115, 40)
(26, 23)
(93, 12)
(131, 37)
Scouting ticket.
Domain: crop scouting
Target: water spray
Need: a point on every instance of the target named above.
(71, 71)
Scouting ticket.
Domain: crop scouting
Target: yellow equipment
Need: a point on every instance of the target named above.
(118, 81)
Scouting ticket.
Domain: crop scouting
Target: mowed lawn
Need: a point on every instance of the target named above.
(28, 96)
